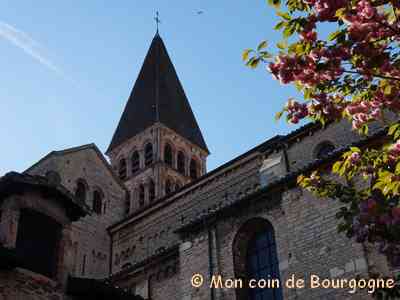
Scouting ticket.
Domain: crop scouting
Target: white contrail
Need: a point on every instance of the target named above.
(28, 45)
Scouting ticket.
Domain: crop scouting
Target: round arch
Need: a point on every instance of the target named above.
(168, 153)
(194, 168)
(181, 158)
(242, 244)
(135, 160)
(81, 190)
(148, 153)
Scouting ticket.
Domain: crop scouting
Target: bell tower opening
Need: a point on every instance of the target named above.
(158, 145)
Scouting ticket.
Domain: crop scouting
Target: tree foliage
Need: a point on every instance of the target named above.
(353, 73)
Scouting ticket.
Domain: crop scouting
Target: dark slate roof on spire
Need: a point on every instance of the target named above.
(157, 96)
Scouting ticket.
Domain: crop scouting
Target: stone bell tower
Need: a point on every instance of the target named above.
(158, 146)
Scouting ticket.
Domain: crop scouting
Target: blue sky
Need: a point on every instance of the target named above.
(67, 68)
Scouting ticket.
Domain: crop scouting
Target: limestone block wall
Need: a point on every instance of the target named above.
(159, 136)
(194, 259)
(160, 280)
(305, 228)
(302, 150)
(307, 244)
(153, 231)
(90, 240)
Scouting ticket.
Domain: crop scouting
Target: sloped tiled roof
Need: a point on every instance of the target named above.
(158, 96)
(287, 180)
(91, 146)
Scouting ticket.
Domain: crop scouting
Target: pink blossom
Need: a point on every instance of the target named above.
(394, 151)
(309, 36)
(355, 158)
(366, 10)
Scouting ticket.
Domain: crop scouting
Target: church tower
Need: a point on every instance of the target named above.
(157, 147)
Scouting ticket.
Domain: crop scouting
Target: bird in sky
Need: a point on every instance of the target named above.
(200, 12)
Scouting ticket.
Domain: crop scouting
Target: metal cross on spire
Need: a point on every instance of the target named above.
(157, 19)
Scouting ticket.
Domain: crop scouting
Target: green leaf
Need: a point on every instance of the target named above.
(278, 115)
(307, 93)
(265, 54)
(289, 30)
(393, 128)
(280, 25)
(334, 35)
(336, 166)
(397, 168)
(283, 15)
(355, 149)
(274, 3)
(262, 45)
(340, 12)
(388, 89)
(379, 185)
(364, 129)
(246, 53)
(282, 45)
(300, 179)
(253, 62)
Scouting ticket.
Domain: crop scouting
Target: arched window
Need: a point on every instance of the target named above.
(97, 202)
(262, 262)
(324, 149)
(168, 155)
(193, 169)
(148, 155)
(255, 257)
(141, 195)
(122, 169)
(135, 163)
(81, 190)
(152, 191)
(53, 177)
(181, 162)
(168, 187)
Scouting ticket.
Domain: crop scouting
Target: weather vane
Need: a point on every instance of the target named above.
(157, 19)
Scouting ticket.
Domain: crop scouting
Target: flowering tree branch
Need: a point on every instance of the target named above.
(353, 74)
(374, 75)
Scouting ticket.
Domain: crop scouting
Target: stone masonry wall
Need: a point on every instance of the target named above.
(149, 233)
(307, 243)
(305, 227)
(158, 135)
(91, 242)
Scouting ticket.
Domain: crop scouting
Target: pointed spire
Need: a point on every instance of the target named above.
(157, 96)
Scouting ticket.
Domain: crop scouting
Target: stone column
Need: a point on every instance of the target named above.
(65, 262)
(9, 227)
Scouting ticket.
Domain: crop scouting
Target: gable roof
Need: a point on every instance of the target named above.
(157, 96)
(91, 146)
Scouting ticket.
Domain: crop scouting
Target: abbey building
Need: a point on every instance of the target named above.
(150, 222)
